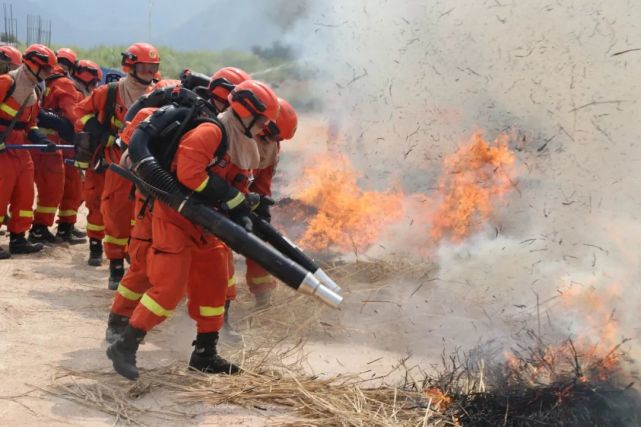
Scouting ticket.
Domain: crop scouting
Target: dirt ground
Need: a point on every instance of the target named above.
(53, 310)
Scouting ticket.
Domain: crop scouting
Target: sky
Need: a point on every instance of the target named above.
(194, 25)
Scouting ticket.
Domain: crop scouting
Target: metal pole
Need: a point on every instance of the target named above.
(151, 6)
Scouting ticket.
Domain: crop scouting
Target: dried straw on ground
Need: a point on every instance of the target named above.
(335, 401)
(466, 392)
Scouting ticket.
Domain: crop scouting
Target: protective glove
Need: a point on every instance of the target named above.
(49, 148)
(36, 137)
(238, 210)
(50, 120)
(260, 206)
(94, 128)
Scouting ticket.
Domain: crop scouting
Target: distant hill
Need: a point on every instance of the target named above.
(195, 25)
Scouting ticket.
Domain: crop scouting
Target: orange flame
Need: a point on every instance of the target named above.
(472, 178)
(440, 400)
(595, 347)
(348, 218)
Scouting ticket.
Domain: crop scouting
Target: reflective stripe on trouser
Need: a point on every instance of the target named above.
(71, 196)
(177, 266)
(258, 279)
(94, 184)
(207, 288)
(135, 280)
(117, 214)
(49, 176)
(232, 289)
(16, 189)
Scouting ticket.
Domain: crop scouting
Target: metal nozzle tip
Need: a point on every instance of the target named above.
(311, 286)
(328, 296)
(326, 280)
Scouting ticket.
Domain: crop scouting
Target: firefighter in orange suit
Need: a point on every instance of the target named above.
(10, 59)
(56, 121)
(19, 109)
(221, 84)
(260, 282)
(186, 260)
(107, 195)
(135, 282)
(85, 77)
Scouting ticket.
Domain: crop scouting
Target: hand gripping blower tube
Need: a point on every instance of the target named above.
(156, 181)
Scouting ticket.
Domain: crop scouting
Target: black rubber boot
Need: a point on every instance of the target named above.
(263, 300)
(4, 254)
(205, 358)
(227, 332)
(116, 271)
(19, 245)
(116, 325)
(65, 233)
(123, 352)
(76, 232)
(40, 234)
(95, 252)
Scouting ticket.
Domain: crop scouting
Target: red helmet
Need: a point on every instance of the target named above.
(39, 57)
(10, 54)
(252, 98)
(87, 72)
(66, 55)
(140, 53)
(223, 82)
(285, 125)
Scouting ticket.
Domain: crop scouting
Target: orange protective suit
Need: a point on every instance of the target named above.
(183, 259)
(101, 184)
(60, 96)
(16, 167)
(135, 281)
(258, 279)
(71, 195)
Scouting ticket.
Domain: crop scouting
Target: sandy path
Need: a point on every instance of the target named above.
(53, 309)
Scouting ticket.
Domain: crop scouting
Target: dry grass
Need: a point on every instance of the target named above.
(375, 270)
(274, 377)
(271, 378)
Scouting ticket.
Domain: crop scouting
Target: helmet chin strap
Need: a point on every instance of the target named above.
(36, 75)
(246, 129)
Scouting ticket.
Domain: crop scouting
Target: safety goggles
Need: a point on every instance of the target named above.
(44, 59)
(4, 57)
(247, 99)
(91, 71)
(272, 130)
(221, 82)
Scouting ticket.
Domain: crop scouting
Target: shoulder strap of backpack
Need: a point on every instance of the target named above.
(223, 147)
(11, 89)
(110, 103)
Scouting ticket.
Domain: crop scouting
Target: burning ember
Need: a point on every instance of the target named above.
(472, 179)
(585, 380)
(539, 385)
(347, 218)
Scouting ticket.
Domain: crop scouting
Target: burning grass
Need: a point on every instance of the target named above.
(472, 180)
(468, 390)
(539, 384)
(340, 215)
